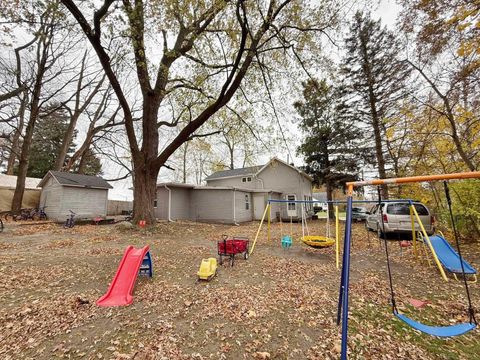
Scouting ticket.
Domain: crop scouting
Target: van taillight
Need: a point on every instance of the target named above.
(385, 218)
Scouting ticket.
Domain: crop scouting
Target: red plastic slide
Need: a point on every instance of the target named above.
(121, 288)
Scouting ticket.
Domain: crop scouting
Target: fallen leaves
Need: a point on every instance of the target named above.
(277, 304)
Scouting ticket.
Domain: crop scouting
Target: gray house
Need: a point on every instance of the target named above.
(239, 195)
(85, 195)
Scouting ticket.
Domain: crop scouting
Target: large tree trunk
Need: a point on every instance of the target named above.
(145, 169)
(329, 191)
(375, 116)
(24, 155)
(15, 148)
(43, 50)
(66, 142)
(83, 162)
(144, 193)
(379, 149)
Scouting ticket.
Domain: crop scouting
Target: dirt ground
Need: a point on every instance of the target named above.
(279, 304)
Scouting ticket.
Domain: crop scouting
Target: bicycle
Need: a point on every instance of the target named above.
(70, 223)
(22, 214)
(40, 214)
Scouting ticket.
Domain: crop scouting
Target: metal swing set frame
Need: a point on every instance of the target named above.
(268, 216)
(343, 302)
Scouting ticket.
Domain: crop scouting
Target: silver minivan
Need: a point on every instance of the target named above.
(396, 218)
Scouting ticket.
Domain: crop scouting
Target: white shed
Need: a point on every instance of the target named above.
(85, 195)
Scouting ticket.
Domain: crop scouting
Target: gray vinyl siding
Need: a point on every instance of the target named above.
(52, 198)
(212, 205)
(161, 212)
(287, 180)
(85, 202)
(275, 209)
(236, 182)
(243, 214)
(180, 208)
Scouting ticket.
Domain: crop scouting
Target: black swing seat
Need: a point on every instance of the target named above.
(441, 331)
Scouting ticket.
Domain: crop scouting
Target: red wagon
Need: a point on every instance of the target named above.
(231, 247)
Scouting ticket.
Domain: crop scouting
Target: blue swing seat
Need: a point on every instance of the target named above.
(286, 241)
(442, 331)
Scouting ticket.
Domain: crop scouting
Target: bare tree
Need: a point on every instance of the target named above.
(202, 33)
(79, 107)
(48, 51)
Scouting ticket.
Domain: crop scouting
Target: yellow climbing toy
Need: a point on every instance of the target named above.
(208, 269)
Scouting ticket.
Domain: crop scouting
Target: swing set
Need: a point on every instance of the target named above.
(444, 256)
(315, 241)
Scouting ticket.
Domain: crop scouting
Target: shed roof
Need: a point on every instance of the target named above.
(10, 182)
(77, 180)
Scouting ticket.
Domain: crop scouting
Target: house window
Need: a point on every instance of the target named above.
(247, 202)
(247, 179)
(291, 205)
(155, 202)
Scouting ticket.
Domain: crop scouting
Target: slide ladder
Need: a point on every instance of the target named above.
(134, 262)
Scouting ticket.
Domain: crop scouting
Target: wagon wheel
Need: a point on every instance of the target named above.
(9, 216)
(220, 261)
(232, 259)
(246, 255)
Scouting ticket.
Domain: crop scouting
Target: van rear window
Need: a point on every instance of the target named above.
(403, 209)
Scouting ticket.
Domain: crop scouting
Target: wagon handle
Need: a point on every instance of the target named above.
(224, 237)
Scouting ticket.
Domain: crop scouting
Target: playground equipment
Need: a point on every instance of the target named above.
(445, 331)
(320, 243)
(450, 259)
(316, 241)
(208, 269)
(286, 240)
(231, 247)
(134, 262)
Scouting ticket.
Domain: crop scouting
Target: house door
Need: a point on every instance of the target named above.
(258, 206)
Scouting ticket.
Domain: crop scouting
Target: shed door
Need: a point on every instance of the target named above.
(258, 206)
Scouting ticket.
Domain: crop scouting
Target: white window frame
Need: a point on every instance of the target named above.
(247, 202)
(291, 206)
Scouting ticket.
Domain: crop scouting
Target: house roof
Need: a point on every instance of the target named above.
(77, 180)
(252, 170)
(202, 187)
(10, 182)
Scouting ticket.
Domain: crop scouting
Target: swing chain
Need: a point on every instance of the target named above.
(392, 293)
(471, 311)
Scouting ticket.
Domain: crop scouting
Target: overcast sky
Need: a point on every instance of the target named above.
(387, 11)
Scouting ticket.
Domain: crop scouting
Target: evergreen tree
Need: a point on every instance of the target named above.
(47, 140)
(89, 164)
(332, 147)
(375, 76)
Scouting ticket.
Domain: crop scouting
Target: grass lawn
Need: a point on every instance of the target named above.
(323, 215)
(279, 304)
